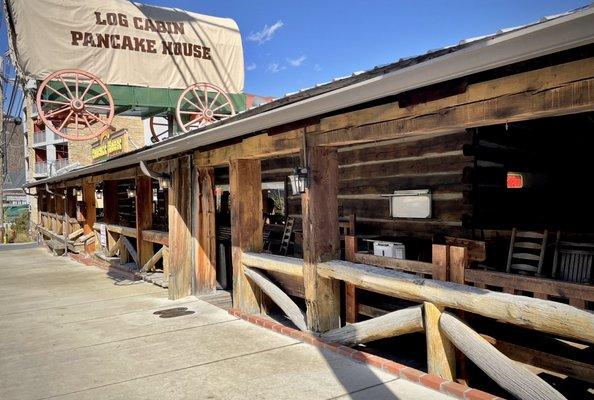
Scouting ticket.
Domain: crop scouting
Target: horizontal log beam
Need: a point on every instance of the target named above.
(396, 323)
(270, 262)
(510, 375)
(121, 230)
(259, 146)
(571, 98)
(158, 237)
(526, 82)
(541, 315)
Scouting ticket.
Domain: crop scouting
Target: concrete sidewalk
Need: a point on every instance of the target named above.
(70, 331)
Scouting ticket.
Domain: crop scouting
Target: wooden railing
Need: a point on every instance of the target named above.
(444, 330)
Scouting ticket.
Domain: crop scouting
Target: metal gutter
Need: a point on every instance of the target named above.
(559, 34)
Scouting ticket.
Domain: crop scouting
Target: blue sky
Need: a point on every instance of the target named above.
(290, 45)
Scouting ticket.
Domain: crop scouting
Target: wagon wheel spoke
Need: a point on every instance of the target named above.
(191, 112)
(226, 103)
(202, 106)
(57, 111)
(63, 124)
(88, 125)
(54, 102)
(87, 89)
(205, 97)
(76, 85)
(67, 88)
(192, 103)
(95, 97)
(95, 117)
(213, 102)
(57, 92)
(200, 121)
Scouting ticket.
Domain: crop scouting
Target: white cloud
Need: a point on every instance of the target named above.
(297, 61)
(265, 34)
(274, 68)
(317, 67)
(250, 67)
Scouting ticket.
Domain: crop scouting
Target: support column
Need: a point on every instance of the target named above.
(144, 218)
(204, 231)
(441, 356)
(321, 240)
(90, 213)
(110, 210)
(180, 235)
(247, 224)
(350, 290)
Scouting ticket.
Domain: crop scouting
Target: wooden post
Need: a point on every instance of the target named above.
(144, 218)
(180, 236)
(352, 307)
(321, 239)
(441, 357)
(245, 179)
(110, 210)
(458, 263)
(204, 231)
(440, 261)
(90, 213)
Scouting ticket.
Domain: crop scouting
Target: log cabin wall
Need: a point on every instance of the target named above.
(368, 171)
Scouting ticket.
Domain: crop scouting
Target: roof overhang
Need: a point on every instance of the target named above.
(559, 34)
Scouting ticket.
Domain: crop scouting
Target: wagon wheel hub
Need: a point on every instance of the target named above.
(208, 114)
(77, 105)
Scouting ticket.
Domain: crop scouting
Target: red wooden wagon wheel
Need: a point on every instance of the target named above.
(75, 104)
(202, 104)
(159, 129)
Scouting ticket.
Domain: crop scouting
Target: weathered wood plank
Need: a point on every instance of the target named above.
(350, 291)
(321, 239)
(440, 259)
(530, 284)
(89, 213)
(158, 237)
(569, 98)
(204, 233)
(246, 229)
(458, 263)
(180, 236)
(259, 146)
(533, 82)
(144, 217)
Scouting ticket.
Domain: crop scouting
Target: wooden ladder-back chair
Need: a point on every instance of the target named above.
(527, 252)
(573, 262)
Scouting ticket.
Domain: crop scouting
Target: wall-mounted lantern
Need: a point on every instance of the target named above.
(131, 193)
(299, 180)
(99, 193)
(78, 194)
